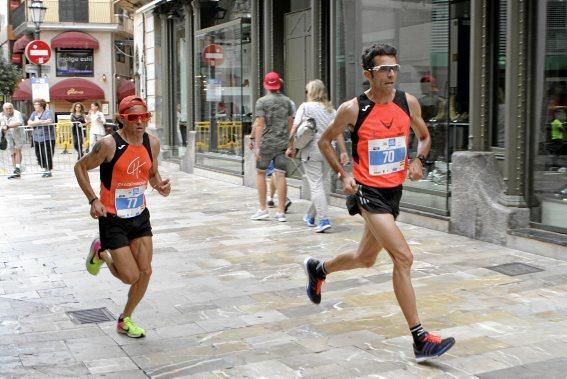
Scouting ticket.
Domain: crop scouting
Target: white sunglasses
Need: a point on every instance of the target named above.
(385, 68)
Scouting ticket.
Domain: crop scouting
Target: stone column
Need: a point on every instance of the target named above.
(479, 74)
(516, 111)
(256, 78)
(268, 35)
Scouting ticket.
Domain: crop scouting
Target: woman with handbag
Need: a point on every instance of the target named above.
(319, 112)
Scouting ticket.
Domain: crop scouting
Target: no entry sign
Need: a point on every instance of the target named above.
(38, 52)
(213, 55)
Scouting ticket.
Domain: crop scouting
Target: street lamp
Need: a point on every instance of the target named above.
(37, 13)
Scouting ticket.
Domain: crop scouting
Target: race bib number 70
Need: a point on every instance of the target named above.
(386, 155)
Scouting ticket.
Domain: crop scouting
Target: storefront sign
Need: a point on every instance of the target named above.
(214, 90)
(75, 63)
(213, 55)
(38, 52)
(40, 89)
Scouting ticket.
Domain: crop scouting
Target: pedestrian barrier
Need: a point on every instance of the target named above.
(59, 154)
(229, 135)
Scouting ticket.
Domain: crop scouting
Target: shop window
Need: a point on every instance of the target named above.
(432, 38)
(550, 138)
(223, 97)
(74, 62)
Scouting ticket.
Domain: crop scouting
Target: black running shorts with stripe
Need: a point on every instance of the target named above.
(375, 200)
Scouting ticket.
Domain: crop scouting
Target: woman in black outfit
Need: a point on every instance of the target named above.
(78, 120)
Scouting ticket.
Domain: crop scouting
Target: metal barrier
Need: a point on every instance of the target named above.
(229, 135)
(59, 155)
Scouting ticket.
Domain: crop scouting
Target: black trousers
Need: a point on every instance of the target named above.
(44, 153)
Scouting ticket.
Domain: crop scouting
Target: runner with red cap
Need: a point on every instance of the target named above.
(128, 161)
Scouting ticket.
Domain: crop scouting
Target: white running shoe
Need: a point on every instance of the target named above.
(260, 215)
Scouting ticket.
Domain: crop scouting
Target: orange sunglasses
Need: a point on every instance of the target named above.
(145, 116)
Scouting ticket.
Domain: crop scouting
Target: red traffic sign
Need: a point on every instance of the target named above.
(38, 52)
(213, 55)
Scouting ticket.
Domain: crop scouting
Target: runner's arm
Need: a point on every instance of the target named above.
(162, 186)
(102, 151)
(422, 133)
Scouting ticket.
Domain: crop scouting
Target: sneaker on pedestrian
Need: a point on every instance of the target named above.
(261, 214)
(94, 261)
(280, 217)
(287, 204)
(16, 175)
(314, 281)
(271, 203)
(432, 347)
(127, 326)
(47, 174)
(310, 221)
(324, 224)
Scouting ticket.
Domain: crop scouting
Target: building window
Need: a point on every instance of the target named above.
(73, 62)
(432, 39)
(550, 137)
(73, 10)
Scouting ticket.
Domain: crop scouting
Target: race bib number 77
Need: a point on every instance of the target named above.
(386, 155)
(130, 202)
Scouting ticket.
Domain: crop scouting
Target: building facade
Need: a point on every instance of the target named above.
(92, 53)
(493, 92)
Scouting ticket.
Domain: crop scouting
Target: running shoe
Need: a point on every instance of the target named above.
(127, 326)
(280, 217)
(314, 282)
(94, 261)
(324, 224)
(433, 347)
(310, 221)
(260, 215)
(287, 204)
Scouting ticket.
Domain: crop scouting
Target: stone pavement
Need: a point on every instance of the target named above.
(227, 296)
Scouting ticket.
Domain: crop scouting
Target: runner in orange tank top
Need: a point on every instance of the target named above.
(379, 121)
(128, 162)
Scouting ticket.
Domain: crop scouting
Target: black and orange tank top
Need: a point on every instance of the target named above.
(124, 179)
(379, 141)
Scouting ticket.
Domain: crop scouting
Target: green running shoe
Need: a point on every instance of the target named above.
(94, 261)
(127, 326)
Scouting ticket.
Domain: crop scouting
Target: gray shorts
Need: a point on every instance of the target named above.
(279, 158)
(16, 138)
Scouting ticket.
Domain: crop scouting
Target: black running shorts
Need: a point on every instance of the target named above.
(375, 200)
(116, 232)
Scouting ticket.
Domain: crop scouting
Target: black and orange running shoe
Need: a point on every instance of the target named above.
(314, 281)
(432, 347)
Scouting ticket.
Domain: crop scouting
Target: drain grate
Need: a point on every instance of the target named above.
(514, 269)
(91, 316)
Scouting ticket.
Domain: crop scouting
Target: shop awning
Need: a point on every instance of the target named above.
(76, 89)
(20, 44)
(23, 92)
(125, 88)
(16, 58)
(74, 40)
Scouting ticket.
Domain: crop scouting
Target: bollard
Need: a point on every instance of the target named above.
(188, 162)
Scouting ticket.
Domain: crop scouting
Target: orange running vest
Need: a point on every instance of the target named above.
(380, 142)
(125, 178)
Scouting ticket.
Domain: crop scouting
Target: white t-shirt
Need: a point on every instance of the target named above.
(97, 123)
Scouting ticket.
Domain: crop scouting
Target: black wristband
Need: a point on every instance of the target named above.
(93, 200)
(421, 157)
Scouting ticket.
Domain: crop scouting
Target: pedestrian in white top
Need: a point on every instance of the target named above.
(97, 121)
(316, 168)
(12, 125)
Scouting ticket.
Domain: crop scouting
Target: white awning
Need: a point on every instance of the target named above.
(151, 5)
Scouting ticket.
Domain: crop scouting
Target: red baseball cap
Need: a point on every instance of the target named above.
(272, 81)
(129, 102)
